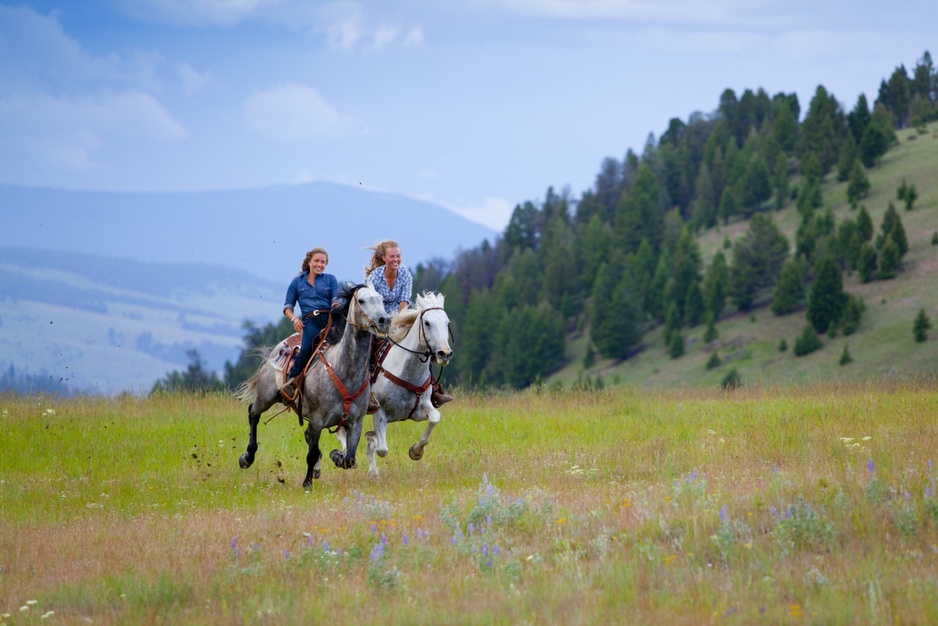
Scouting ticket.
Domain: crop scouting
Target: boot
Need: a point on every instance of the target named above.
(289, 389)
(373, 405)
(438, 398)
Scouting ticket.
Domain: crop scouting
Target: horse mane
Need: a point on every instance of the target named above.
(402, 322)
(347, 291)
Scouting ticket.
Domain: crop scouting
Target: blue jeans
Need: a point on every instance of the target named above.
(312, 326)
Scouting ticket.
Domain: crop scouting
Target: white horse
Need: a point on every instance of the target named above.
(335, 392)
(403, 382)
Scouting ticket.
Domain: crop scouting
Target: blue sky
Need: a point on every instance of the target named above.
(477, 105)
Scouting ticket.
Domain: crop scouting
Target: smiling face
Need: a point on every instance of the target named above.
(317, 263)
(392, 258)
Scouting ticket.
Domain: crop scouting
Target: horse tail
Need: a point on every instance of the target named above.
(248, 389)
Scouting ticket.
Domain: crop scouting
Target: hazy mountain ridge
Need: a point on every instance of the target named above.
(106, 301)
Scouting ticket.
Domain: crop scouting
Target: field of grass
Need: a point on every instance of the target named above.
(882, 347)
(778, 505)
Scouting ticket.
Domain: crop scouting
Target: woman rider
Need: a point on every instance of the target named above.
(385, 274)
(316, 293)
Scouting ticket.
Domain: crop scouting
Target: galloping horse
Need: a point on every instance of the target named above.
(404, 381)
(335, 392)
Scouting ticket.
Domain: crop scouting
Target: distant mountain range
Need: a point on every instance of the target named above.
(107, 291)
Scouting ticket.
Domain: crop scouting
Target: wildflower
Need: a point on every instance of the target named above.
(419, 534)
(562, 520)
(723, 514)
(404, 538)
(871, 466)
(325, 546)
(455, 540)
(286, 553)
(471, 527)
(867, 438)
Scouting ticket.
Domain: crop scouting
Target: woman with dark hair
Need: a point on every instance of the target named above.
(315, 292)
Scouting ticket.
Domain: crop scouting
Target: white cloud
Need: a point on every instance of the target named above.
(196, 12)
(67, 132)
(293, 112)
(192, 81)
(494, 212)
(346, 27)
(36, 54)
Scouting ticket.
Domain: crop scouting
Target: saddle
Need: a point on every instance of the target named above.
(282, 358)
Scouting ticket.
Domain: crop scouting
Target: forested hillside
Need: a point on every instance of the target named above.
(757, 210)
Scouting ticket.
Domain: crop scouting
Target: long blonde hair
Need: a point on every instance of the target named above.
(377, 258)
(304, 266)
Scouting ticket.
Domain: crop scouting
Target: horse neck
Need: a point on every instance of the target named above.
(352, 352)
(403, 361)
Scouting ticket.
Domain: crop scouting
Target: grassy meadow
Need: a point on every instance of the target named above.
(776, 505)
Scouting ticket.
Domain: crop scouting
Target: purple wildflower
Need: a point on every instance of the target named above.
(286, 553)
(871, 466)
(404, 539)
(325, 546)
(723, 514)
(471, 528)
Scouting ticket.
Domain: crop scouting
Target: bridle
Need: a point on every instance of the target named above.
(425, 356)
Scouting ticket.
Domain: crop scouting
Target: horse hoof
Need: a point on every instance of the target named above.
(414, 454)
(245, 461)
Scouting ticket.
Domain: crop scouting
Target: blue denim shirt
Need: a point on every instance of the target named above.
(311, 297)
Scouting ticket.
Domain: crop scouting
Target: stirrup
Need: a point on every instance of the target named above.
(289, 390)
(438, 399)
(373, 405)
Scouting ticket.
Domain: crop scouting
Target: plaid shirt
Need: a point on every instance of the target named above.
(403, 287)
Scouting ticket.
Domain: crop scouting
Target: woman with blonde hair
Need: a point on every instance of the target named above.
(386, 275)
(394, 282)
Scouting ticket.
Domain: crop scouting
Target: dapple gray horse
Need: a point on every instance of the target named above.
(330, 398)
(404, 384)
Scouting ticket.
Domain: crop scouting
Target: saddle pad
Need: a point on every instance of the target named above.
(283, 352)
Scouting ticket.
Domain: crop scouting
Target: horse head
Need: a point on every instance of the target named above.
(366, 311)
(434, 327)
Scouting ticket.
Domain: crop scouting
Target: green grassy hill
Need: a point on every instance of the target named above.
(882, 347)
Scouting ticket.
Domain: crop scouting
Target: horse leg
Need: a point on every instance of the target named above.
(341, 436)
(247, 459)
(380, 420)
(416, 450)
(347, 460)
(370, 446)
(313, 457)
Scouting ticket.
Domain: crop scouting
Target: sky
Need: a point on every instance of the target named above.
(476, 105)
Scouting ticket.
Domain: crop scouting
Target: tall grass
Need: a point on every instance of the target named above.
(811, 504)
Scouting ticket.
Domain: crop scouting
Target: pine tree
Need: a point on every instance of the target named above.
(715, 284)
(911, 195)
(892, 227)
(845, 357)
(889, 259)
(827, 299)
(710, 333)
(868, 262)
(853, 312)
(676, 345)
(790, 290)
(859, 184)
(921, 326)
(807, 342)
(714, 360)
(864, 224)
